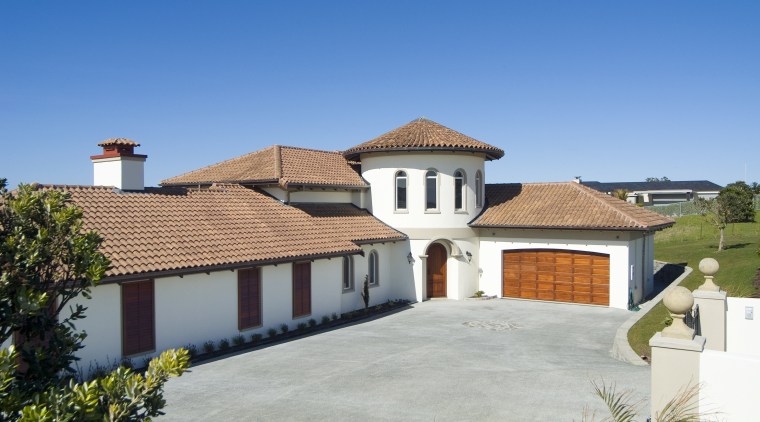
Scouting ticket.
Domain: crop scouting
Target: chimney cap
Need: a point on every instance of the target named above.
(118, 142)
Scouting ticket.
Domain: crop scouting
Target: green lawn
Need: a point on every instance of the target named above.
(690, 240)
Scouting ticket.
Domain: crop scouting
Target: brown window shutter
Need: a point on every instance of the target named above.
(138, 317)
(249, 298)
(301, 289)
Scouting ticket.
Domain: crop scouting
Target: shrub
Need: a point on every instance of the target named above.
(334, 316)
(272, 332)
(325, 319)
(301, 326)
(479, 293)
(312, 322)
(192, 350)
(238, 340)
(224, 344)
(256, 338)
(209, 346)
(127, 363)
(284, 328)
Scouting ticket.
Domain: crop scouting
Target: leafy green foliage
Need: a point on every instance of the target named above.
(657, 179)
(620, 405)
(47, 260)
(737, 199)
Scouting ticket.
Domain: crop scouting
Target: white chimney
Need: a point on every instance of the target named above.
(118, 165)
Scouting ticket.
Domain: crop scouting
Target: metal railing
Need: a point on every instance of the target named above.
(692, 320)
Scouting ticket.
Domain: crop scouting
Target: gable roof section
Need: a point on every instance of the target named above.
(277, 164)
(174, 230)
(424, 135)
(563, 206)
(693, 185)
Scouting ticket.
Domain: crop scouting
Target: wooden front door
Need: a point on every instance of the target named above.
(557, 275)
(436, 270)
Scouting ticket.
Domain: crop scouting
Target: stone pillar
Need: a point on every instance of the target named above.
(675, 353)
(712, 307)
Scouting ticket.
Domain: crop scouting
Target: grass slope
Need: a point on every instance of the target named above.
(686, 243)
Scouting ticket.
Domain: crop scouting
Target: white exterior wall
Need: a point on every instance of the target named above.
(728, 384)
(122, 172)
(743, 335)
(102, 323)
(394, 272)
(200, 307)
(379, 169)
(616, 245)
(311, 195)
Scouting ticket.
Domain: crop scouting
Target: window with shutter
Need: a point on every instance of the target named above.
(301, 289)
(138, 317)
(249, 298)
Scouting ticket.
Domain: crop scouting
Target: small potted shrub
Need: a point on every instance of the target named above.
(301, 326)
(312, 323)
(325, 319)
(191, 350)
(238, 340)
(272, 332)
(224, 344)
(256, 338)
(208, 347)
(284, 328)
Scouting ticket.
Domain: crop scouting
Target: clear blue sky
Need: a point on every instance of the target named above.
(609, 90)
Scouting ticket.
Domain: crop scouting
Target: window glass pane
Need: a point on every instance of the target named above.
(431, 202)
(401, 191)
(348, 272)
(478, 189)
(458, 190)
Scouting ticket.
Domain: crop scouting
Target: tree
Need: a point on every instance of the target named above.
(620, 194)
(46, 261)
(738, 199)
(755, 188)
(657, 179)
(714, 213)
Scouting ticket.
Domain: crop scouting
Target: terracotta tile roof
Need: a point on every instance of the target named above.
(176, 229)
(424, 135)
(277, 164)
(356, 224)
(563, 206)
(119, 142)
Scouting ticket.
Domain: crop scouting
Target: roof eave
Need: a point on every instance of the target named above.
(388, 239)
(490, 154)
(597, 228)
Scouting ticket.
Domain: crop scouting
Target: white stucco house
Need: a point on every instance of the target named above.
(285, 234)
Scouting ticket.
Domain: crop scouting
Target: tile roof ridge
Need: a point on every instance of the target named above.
(218, 164)
(602, 199)
(36, 185)
(311, 149)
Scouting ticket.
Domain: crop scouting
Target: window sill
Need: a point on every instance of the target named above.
(461, 212)
(138, 354)
(401, 211)
(350, 290)
(371, 286)
(295, 317)
(252, 327)
(432, 211)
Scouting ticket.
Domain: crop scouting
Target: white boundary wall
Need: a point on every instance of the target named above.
(743, 335)
(729, 385)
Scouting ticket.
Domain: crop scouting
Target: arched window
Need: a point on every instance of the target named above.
(401, 190)
(478, 189)
(374, 271)
(348, 272)
(459, 185)
(431, 190)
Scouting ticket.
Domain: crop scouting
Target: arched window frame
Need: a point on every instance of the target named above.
(460, 190)
(401, 200)
(373, 270)
(432, 177)
(348, 273)
(479, 189)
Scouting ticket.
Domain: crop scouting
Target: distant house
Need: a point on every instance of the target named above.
(659, 193)
(285, 234)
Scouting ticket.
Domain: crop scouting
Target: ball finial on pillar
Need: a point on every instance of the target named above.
(678, 301)
(708, 267)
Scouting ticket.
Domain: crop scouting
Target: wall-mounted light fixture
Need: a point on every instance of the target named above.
(410, 258)
(469, 256)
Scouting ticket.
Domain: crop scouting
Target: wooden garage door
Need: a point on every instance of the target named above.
(558, 275)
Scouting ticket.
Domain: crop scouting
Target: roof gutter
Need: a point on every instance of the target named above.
(621, 229)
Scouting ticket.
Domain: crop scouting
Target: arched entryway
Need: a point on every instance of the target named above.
(436, 270)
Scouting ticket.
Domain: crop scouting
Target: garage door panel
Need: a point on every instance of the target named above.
(558, 275)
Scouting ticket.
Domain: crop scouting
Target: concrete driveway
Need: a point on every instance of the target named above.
(506, 360)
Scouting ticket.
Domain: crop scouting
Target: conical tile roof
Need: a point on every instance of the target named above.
(424, 135)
